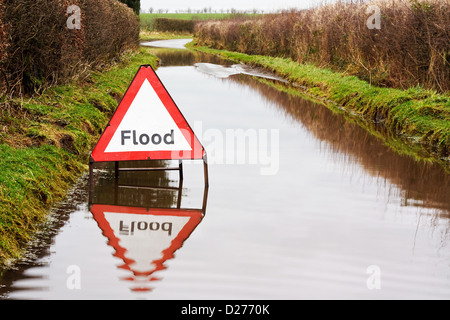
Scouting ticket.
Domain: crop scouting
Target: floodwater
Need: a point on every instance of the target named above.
(302, 204)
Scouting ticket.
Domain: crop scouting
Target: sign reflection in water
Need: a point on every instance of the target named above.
(140, 214)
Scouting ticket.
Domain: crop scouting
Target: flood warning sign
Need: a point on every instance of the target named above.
(147, 125)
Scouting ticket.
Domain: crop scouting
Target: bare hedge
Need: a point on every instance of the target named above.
(412, 47)
(174, 25)
(38, 49)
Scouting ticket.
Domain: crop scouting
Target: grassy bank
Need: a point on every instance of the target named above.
(45, 144)
(419, 117)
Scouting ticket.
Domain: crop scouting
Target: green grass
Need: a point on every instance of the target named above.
(45, 146)
(419, 117)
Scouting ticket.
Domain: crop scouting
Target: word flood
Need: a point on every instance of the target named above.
(145, 139)
(128, 229)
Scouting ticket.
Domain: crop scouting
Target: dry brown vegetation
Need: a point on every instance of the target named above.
(174, 25)
(412, 47)
(37, 48)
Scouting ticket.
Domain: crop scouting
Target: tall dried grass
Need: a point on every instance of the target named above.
(412, 47)
(38, 49)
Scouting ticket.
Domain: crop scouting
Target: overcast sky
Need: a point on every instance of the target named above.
(266, 5)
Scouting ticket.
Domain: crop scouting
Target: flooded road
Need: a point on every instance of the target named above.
(302, 204)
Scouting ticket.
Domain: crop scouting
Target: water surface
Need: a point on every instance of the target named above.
(311, 206)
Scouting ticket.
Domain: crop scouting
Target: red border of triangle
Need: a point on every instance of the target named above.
(147, 72)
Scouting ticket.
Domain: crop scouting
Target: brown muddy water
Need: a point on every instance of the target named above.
(302, 204)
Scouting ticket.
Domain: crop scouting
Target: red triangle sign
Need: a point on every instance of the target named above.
(147, 125)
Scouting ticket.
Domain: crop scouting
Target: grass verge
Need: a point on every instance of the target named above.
(146, 35)
(45, 142)
(419, 117)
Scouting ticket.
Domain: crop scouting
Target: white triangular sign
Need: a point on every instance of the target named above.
(147, 125)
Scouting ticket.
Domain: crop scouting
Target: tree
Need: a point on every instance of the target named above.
(133, 4)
